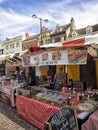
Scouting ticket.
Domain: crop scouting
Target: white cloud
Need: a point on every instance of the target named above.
(84, 15)
(15, 23)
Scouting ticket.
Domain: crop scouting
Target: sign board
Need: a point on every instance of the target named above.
(49, 58)
(64, 119)
(77, 55)
(78, 85)
(56, 56)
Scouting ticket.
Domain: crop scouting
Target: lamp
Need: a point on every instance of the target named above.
(41, 19)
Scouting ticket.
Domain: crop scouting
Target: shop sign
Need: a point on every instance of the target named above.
(63, 119)
(55, 57)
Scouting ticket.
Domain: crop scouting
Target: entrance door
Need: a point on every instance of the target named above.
(88, 72)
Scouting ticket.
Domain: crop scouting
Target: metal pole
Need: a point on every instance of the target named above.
(41, 30)
(45, 20)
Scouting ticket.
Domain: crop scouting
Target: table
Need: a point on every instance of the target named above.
(92, 122)
(34, 111)
(10, 91)
(38, 112)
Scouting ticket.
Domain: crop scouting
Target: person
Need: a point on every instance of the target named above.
(70, 84)
(32, 76)
(23, 78)
(59, 79)
(17, 73)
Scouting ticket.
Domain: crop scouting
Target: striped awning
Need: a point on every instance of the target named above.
(9, 56)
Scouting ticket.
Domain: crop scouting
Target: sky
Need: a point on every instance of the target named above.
(16, 15)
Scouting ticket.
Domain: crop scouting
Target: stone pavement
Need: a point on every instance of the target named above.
(9, 120)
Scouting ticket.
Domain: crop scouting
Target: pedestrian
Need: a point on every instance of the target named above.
(23, 78)
(32, 76)
(59, 79)
(17, 73)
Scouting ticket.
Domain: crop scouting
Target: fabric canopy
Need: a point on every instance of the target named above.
(49, 45)
(86, 40)
(74, 42)
(2, 57)
(23, 52)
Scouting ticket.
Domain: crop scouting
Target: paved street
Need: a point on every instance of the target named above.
(10, 121)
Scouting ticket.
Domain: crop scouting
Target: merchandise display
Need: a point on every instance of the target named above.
(79, 101)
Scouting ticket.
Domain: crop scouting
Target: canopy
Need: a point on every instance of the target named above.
(2, 57)
(58, 44)
(8, 56)
(74, 42)
(81, 41)
(23, 52)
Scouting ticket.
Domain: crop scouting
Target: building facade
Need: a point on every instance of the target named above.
(30, 41)
(61, 33)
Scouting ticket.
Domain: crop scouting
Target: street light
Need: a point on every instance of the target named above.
(41, 19)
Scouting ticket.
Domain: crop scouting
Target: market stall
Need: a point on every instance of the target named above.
(8, 91)
(72, 54)
(48, 102)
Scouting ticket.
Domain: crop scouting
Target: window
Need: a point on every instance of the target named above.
(44, 35)
(30, 44)
(47, 34)
(89, 30)
(74, 34)
(57, 30)
(61, 29)
(48, 41)
(7, 47)
(12, 45)
(17, 44)
(62, 38)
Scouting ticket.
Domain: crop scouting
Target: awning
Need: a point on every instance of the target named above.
(91, 39)
(9, 56)
(74, 42)
(50, 45)
(86, 40)
(23, 52)
(13, 57)
(2, 57)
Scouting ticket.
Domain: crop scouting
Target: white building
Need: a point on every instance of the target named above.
(13, 45)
